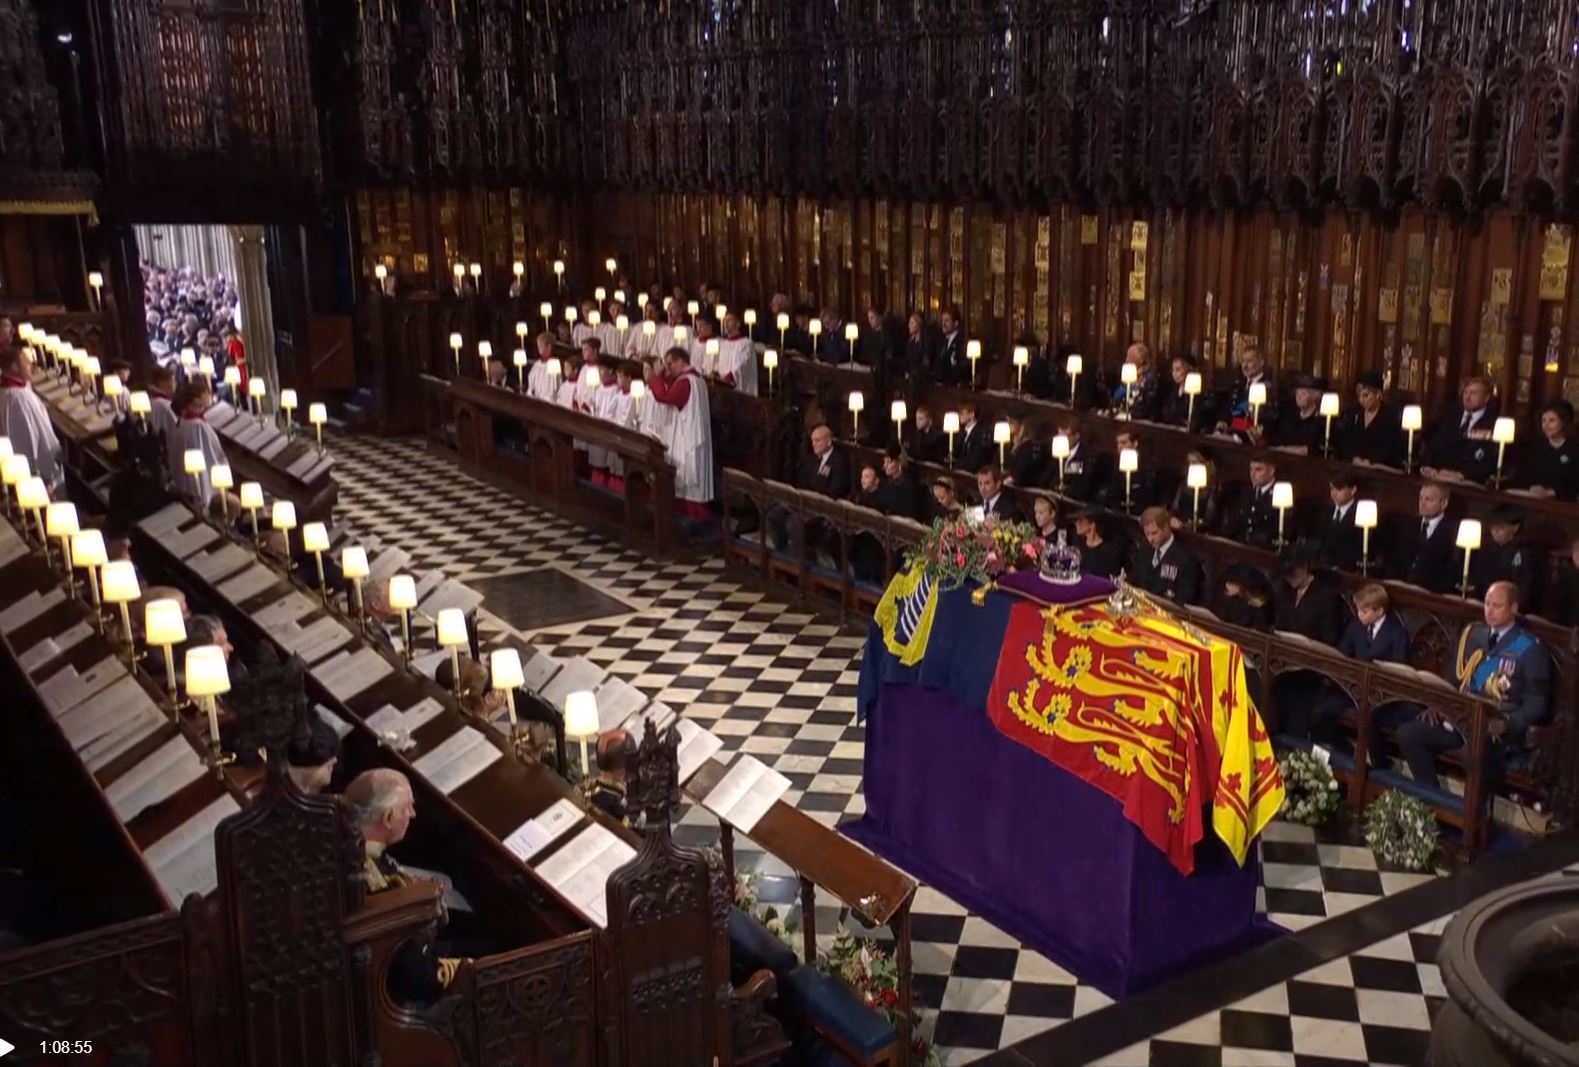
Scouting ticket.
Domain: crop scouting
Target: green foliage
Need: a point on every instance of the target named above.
(957, 550)
(1401, 830)
(1310, 788)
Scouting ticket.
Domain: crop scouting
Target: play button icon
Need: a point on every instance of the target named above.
(5, 1047)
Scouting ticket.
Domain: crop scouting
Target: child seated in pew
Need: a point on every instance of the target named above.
(1374, 634)
(607, 791)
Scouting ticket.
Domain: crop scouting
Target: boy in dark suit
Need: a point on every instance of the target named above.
(1163, 566)
(1337, 534)
(1375, 635)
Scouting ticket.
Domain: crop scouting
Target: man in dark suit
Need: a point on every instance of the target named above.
(1163, 566)
(1142, 484)
(927, 442)
(973, 448)
(1252, 519)
(1498, 658)
(1374, 635)
(1082, 468)
(824, 471)
(994, 501)
(1235, 410)
(1426, 552)
(949, 363)
(1340, 539)
(1508, 558)
(1461, 441)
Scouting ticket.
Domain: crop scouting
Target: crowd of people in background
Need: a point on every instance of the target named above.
(184, 310)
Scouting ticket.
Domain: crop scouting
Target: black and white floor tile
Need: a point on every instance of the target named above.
(780, 683)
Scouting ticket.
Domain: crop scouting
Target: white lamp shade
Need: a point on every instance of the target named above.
(857, 401)
(1001, 434)
(1074, 365)
(402, 592)
(559, 266)
(1469, 533)
(87, 548)
(1195, 477)
(521, 329)
(518, 268)
(719, 311)
(205, 366)
(609, 265)
(897, 411)
(90, 366)
(599, 294)
(32, 494)
(712, 346)
(95, 279)
(681, 335)
(518, 357)
(1329, 403)
(1257, 395)
(206, 673)
(60, 519)
(638, 390)
(692, 308)
(1192, 384)
(6, 451)
(749, 317)
(770, 359)
(590, 377)
(814, 327)
(257, 388)
(221, 477)
(1502, 431)
(972, 349)
(188, 358)
(1128, 461)
(545, 309)
(1060, 446)
(140, 403)
(232, 376)
(14, 469)
(581, 714)
(251, 495)
(1022, 356)
(476, 270)
(619, 296)
(118, 582)
(193, 461)
(951, 422)
(649, 328)
(622, 322)
(315, 538)
(1283, 495)
(1412, 417)
(455, 340)
(162, 623)
(452, 627)
(284, 515)
(595, 317)
(353, 562)
(111, 385)
(459, 270)
(317, 414)
(782, 322)
(485, 349)
(504, 664)
(288, 399)
(553, 368)
(852, 332)
(380, 272)
(1128, 373)
(641, 300)
(1365, 514)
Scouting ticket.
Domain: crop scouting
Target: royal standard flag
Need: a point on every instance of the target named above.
(906, 612)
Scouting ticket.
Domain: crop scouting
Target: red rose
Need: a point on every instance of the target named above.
(959, 559)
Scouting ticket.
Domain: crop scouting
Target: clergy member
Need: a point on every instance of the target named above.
(538, 382)
(737, 357)
(192, 432)
(25, 420)
(690, 439)
(604, 400)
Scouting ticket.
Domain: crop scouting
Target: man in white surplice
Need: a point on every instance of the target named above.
(25, 419)
(193, 433)
(539, 383)
(737, 357)
(690, 438)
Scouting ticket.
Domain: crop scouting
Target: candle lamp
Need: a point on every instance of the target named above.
(619, 296)
(451, 632)
(60, 520)
(559, 274)
(205, 367)
(252, 502)
(815, 329)
(455, 348)
(1257, 398)
(770, 360)
(402, 598)
(1129, 374)
(32, 496)
(1469, 540)
(570, 314)
(195, 466)
(638, 392)
(641, 301)
(611, 266)
(233, 378)
(622, 323)
(1329, 407)
(118, 579)
(521, 330)
(506, 676)
(898, 413)
(581, 722)
(518, 269)
(1192, 389)
(354, 569)
(1001, 436)
(857, 405)
(484, 354)
(287, 406)
(284, 520)
(381, 275)
(973, 353)
(317, 415)
(600, 294)
(749, 317)
(1282, 500)
(555, 370)
(207, 679)
(1128, 464)
(1365, 518)
(1061, 454)
(782, 322)
(476, 272)
(112, 389)
(546, 310)
(1411, 418)
(315, 539)
(14, 470)
(87, 552)
(222, 480)
(1195, 480)
(682, 336)
(96, 283)
(518, 357)
(712, 349)
(852, 333)
(164, 628)
(257, 389)
(459, 270)
(693, 308)
(951, 427)
(1502, 432)
(1022, 359)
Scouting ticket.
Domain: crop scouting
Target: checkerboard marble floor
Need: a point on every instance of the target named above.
(781, 683)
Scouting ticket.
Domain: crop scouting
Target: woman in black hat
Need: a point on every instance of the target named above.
(1370, 431)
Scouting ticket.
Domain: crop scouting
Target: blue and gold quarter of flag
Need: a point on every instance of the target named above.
(905, 615)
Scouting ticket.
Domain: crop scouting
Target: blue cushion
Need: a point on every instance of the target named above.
(827, 1005)
(753, 948)
(1439, 798)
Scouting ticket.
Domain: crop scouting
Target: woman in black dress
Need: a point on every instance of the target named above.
(1551, 464)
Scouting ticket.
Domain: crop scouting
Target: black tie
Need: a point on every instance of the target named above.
(1425, 529)
(1464, 426)
(1492, 639)
(1337, 515)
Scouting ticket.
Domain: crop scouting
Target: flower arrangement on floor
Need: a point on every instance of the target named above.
(958, 550)
(747, 900)
(869, 971)
(1401, 830)
(1310, 789)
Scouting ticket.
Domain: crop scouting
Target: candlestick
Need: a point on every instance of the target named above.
(1329, 408)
